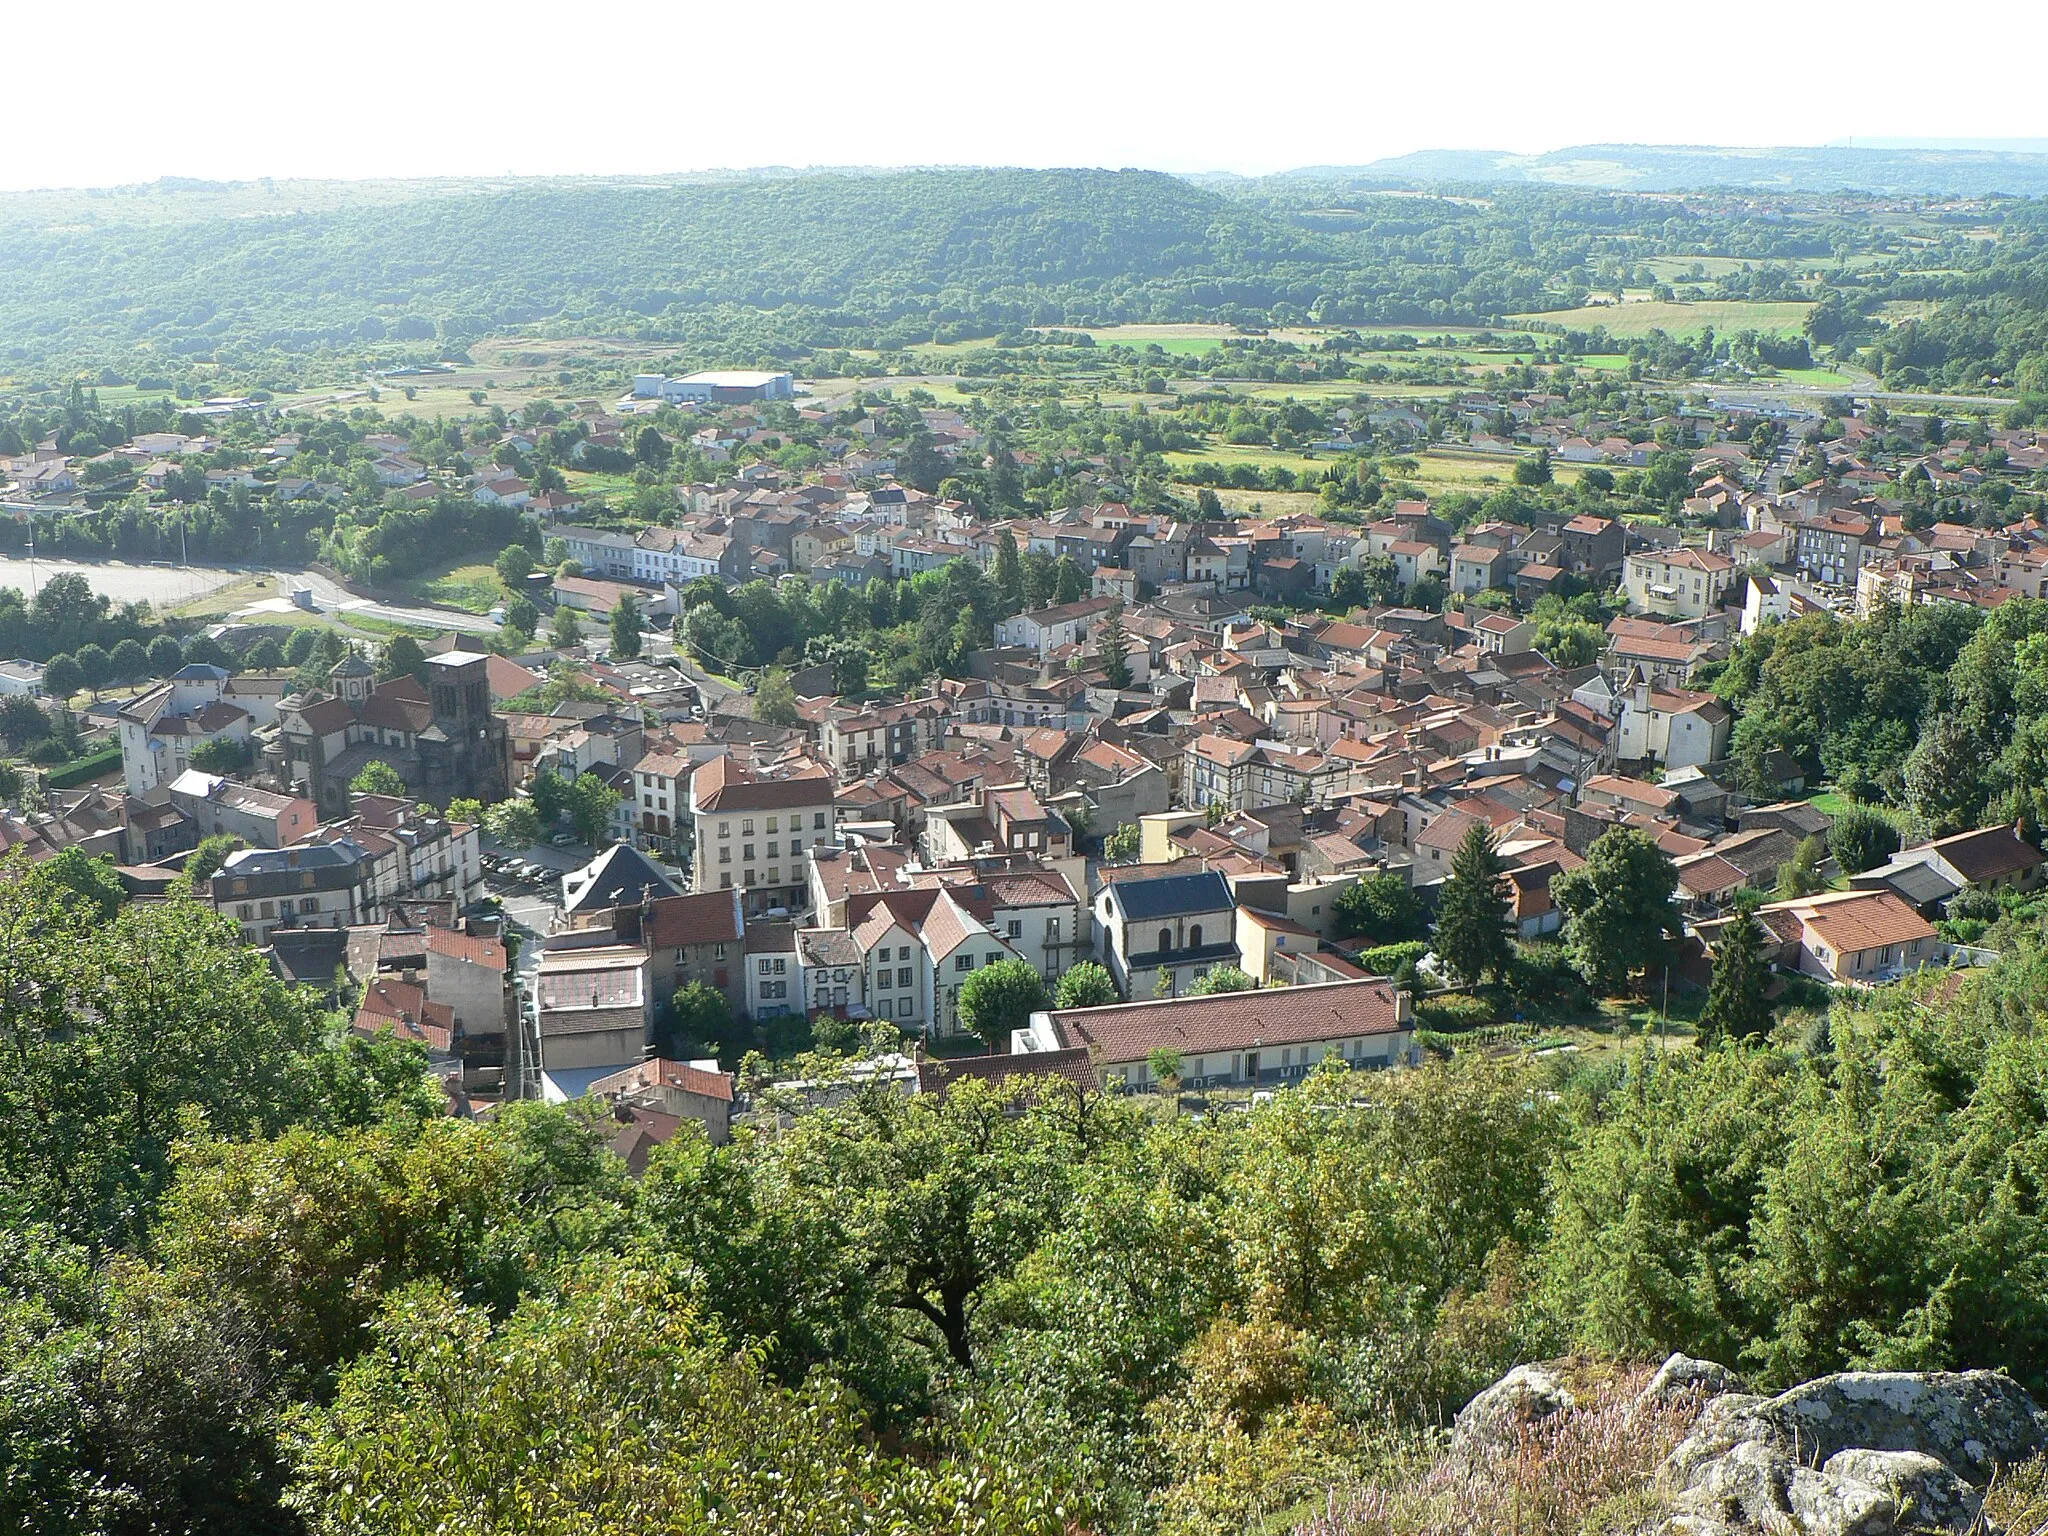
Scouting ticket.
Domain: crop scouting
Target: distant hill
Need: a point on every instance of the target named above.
(1678, 168)
(199, 268)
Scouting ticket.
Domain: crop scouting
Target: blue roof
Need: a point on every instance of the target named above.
(201, 669)
(1172, 896)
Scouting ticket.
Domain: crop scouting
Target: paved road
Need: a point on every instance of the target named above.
(332, 597)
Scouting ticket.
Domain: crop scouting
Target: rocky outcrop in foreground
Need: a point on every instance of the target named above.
(1865, 1453)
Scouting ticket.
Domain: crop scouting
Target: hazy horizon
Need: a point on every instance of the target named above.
(384, 91)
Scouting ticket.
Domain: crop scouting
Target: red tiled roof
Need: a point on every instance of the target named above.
(489, 953)
(676, 922)
(1235, 1021)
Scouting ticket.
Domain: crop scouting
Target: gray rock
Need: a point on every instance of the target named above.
(1488, 1423)
(1839, 1506)
(1926, 1491)
(1858, 1454)
(1682, 1374)
(1971, 1420)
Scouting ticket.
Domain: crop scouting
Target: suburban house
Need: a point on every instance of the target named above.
(1988, 859)
(1859, 937)
(162, 727)
(1673, 726)
(1263, 1037)
(698, 937)
(1683, 583)
(1045, 630)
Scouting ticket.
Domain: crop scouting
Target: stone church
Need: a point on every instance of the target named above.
(442, 739)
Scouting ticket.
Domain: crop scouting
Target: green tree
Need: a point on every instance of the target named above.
(378, 778)
(1800, 875)
(116, 1026)
(590, 803)
(266, 655)
(165, 656)
(205, 651)
(485, 1210)
(626, 629)
(1086, 985)
(1111, 644)
(618, 1390)
(1862, 837)
(567, 628)
(1000, 998)
(1474, 925)
(1736, 1008)
(1069, 581)
(1167, 1068)
(548, 793)
(513, 565)
(522, 618)
(1620, 911)
(95, 666)
(1381, 908)
(403, 657)
(1009, 572)
(223, 754)
(1534, 470)
(513, 823)
(466, 810)
(1944, 777)
(1221, 978)
(62, 676)
(202, 862)
(1570, 642)
(79, 881)
(700, 1019)
(129, 661)
(775, 699)
(1122, 844)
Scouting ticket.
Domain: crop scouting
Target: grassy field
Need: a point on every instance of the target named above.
(1678, 319)
(1228, 454)
(1677, 269)
(1261, 503)
(1192, 339)
(474, 588)
(1817, 378)
(1469, 471)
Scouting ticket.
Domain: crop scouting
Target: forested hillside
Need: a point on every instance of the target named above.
(278, 285)
(826, 259)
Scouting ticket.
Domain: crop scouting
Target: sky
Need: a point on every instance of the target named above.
(233, 90)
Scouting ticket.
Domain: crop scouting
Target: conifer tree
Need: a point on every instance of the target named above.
(1473, 929)
(1736, 1008)
(1116, 665)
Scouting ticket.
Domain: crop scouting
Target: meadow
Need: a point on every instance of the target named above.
(1639, 319)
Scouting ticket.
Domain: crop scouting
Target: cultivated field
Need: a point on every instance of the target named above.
(1678, 319)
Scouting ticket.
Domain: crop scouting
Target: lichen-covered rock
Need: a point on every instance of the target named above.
(1972, 1420)
(1683, 1374)
(1488, 1423)
(1927, 1492)
(1864, 1453)
(1839, 1506)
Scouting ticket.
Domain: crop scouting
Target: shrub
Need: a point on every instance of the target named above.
(1386, 959)
(1454, 1011)
(1590, 1468)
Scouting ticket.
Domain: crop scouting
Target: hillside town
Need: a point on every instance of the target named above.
(1192, 746)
